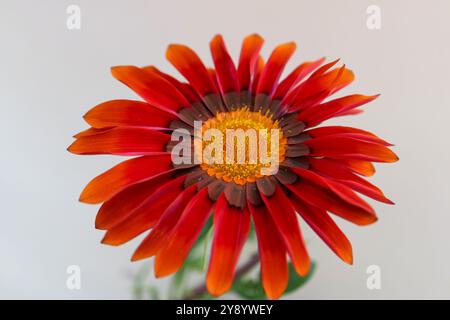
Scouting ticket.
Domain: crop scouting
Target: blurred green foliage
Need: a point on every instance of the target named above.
(245, 286)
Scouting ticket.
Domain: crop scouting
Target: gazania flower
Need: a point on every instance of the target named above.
(320, 174)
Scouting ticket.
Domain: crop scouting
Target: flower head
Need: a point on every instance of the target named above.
(319, 170)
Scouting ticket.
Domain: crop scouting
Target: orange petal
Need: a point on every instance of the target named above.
(286, 221)
(128, 141)
(152, 88)
(125, 174)
(186, 61)
(251, 47)
(225, 68)
(326, 229)
(231, 228)
(127, 113)
(274, 67)
(272, 253)
(364, 168)
(170, 258)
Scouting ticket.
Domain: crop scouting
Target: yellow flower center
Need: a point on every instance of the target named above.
(244, 146)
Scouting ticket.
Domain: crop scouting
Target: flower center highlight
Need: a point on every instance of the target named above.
(241, 146)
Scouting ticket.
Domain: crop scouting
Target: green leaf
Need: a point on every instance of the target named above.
(249, 289)
(253, 289)
(295, 281)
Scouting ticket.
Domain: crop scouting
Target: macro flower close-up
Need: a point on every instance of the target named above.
(321, 169)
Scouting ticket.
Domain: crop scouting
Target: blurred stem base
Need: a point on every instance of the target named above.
(245, 285)
(200, 290)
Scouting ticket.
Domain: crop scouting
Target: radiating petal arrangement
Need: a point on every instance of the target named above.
(321, 171)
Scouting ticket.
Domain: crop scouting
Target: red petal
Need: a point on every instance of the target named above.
(123, 175)
(326, 229)
(346, 131)
(316, 88)
(225, 69)
(338, 189)
(183, 87)
(352, 112)
(146, 215)
(349, 148)
(295, 77)
(286, 221)
(316, 115)
(170, 258)
(158, 236)
(339, 172)
(191, 67)
(127, 113)
(213, 77)
(152, 88)
(249, 55)
(127, 141)
(272, 253)
(259, 67)
(327, 200)
(290, 97)
(274, 67)
(231, 228)
(123, 204)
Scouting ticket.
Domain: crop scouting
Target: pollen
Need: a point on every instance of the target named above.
(243, 146)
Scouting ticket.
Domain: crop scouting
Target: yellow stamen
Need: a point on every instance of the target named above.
(244, 119)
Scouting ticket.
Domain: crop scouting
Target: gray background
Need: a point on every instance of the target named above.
(50, 76)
